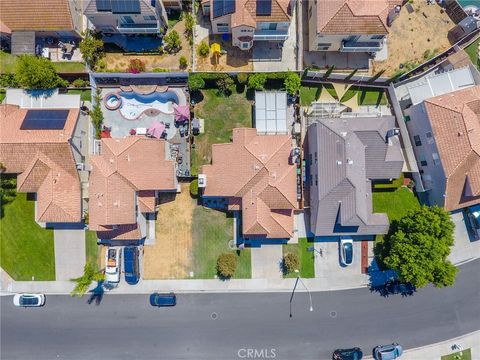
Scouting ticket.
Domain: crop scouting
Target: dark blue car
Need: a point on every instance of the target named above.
(132, 272)
(161, 300)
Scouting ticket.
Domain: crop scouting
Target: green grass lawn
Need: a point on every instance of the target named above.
(466, 355)
(366, 96)
(307, 269)
(7, 65)
(3, 94)
(472, 51)
(173, 18)
(222, 115)
(91, 247)
(394, 184)
(86, 95)
(26, 249)
(212, 231)
(394, 203)
(308, 95)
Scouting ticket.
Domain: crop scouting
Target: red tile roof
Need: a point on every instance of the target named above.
(455, 121)
(254, 173)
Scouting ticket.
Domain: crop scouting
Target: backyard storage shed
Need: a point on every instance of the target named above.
(271, 112)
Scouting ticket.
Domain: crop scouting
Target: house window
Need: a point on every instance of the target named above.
(311, 179)
(417, 141)
(245, 45)
(311, 158)
(316, 158)
(423, 160)
(152, 2)
(429, 137)
(316, 180)
(149, 17)
(436, 159)
(377, 37)
(222, 27)
(268, 26)
(127, 20)
(323, 46)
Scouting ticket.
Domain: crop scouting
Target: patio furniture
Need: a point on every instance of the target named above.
(141, 131)
(133, 132)
(46, 53)
(156, 129)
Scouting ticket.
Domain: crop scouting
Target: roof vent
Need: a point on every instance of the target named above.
(460, 133)
(128, 157)
(116, 204)
(339, 162)
(111, 160)
(202, 180)
(343, 133)
(349, 161)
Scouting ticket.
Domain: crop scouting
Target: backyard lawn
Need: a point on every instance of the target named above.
(394, 203)
(366, 96)
(91, 247)
(221, 115)
(211, 232)
(85, 95)
(26, 249)
(472, 51)
(466, 355)
(7, 65)
(307, 269)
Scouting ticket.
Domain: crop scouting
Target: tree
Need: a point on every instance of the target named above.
(418, 245)
(226, 265)
(96, 114)
(292, 83)
(172, 41)
(91, 48)
(257, 81)
(203, 49)
(33, 72)
(189, 25)
(84, 281)
(8, 188)
(224, 84)
(291, 262)
(183, 62)
(242, 78)
(196, 82)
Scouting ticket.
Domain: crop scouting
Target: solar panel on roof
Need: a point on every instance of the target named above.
(264, 7)
(126, 6)
(229, 7)
(104, 5)
(223, 7)
(44, 120)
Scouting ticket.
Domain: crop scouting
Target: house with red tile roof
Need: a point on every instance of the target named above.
(124, 183)
(256, 176)
(445, 133)
(250, 20)
(350, 25)
(47, 18)
(36, 144)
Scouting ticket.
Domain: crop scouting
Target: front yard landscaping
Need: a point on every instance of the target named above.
(222, 114)
(91, 248)
(307, 259)
(466, 355)
(211, 233)
(27, 250)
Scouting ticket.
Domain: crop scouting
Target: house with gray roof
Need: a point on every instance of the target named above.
(344, 155)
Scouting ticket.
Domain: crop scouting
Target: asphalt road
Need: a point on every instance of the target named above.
(225, 326)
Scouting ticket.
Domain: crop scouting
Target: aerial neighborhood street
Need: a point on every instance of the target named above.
(240, 179)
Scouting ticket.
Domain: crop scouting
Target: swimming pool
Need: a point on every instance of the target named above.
(133, 104)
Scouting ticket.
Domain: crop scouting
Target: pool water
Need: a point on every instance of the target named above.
(465, 3)
(134, 104)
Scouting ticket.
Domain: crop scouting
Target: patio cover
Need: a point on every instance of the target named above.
(156, 130)
(182, 113)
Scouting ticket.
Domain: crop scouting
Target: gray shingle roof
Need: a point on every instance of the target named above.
(351, 152)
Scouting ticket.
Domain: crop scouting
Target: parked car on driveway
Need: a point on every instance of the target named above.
(472, 216)
(131, 264)
(347, 354)
(387, 352)
(29, 300)
(162, 300)
(113, 264)
(346, 251)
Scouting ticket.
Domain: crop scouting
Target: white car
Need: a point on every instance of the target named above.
(346, 251)
(29, 300)
(113, 263)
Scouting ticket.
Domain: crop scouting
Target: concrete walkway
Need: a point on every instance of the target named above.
(266, 262)
(70, 254)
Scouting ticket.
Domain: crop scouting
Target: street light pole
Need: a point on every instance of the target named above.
(295, 287)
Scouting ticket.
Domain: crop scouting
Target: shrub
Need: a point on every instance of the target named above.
(224, 84)
(172, 41)
(292, 83)
(203, 49)
(196, 82)
(8, 80)
(194, 188)
(80, 83)
(33, 72)
(189, 25)
(226, 265)
(96, 115)
(91, 48)
(136, 66)
(257, 81)
(161, 50)
(183, 62)
(83, 282)
(291, 262)
(159, 70)
(242, 78)
(101, 65)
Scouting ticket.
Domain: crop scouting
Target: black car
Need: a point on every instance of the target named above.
(131, 264)
(161, 300)
(347, 354)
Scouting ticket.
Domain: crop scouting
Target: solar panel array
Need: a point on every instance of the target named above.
(223, 7)
(119, 6)
(264, 7)
(44, 120)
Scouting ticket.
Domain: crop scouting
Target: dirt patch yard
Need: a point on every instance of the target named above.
(170, 257)
(119, 62)
(234, 59)
(415, 37)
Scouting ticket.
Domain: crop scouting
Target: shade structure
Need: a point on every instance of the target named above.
(182, 113)
(156, 130)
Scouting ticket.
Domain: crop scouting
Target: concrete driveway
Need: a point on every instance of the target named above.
(464, 248)
(70, 254)
(266, 262)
